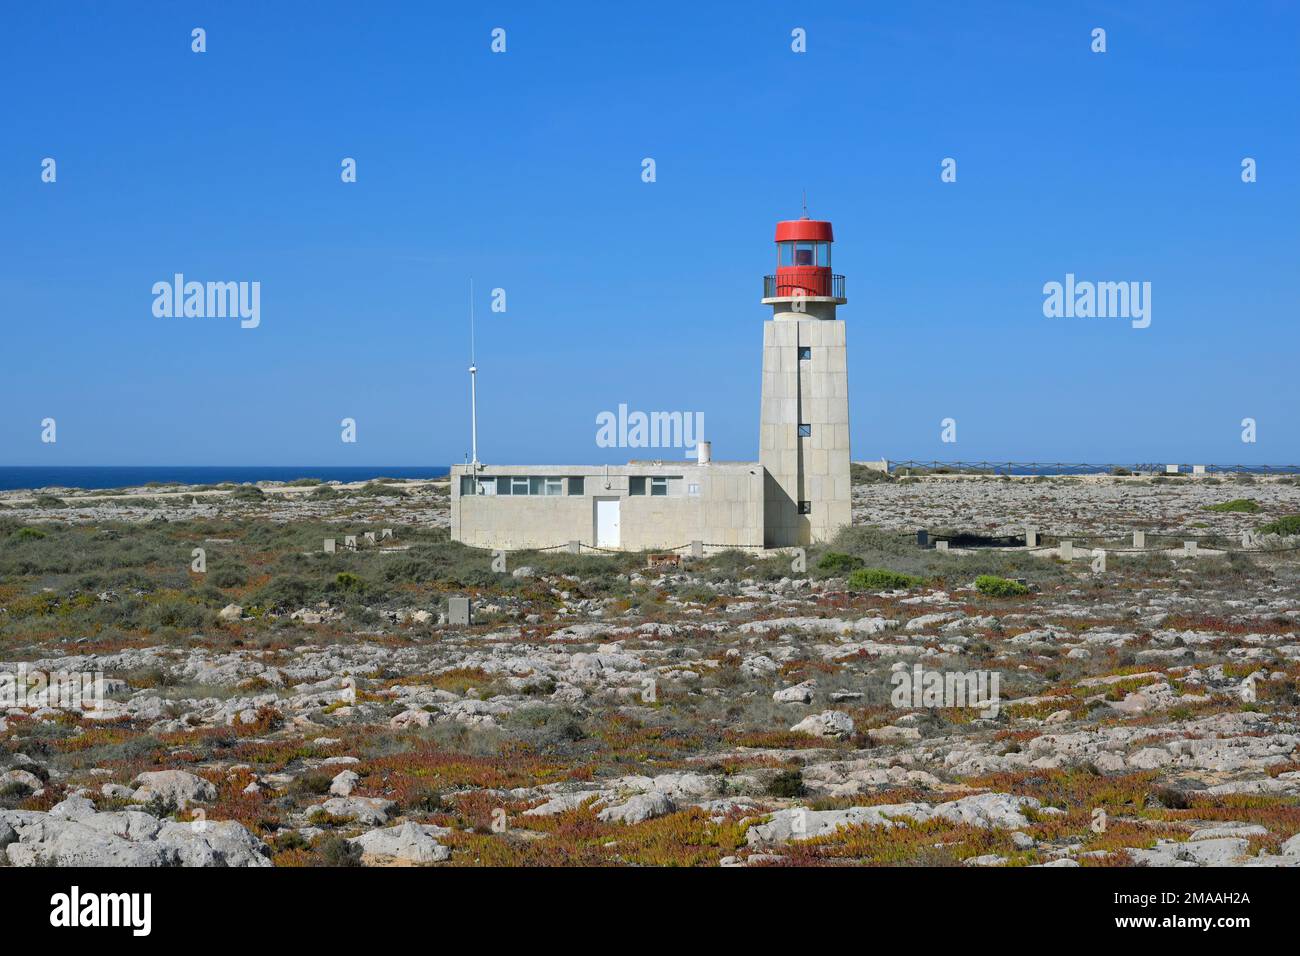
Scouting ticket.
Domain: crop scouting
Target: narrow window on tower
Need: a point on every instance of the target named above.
(658, 487)
(805, 507)
(805, 353)
(805, 431)
(636, 486)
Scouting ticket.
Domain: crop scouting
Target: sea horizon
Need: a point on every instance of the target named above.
(95, 477)
(23, 477)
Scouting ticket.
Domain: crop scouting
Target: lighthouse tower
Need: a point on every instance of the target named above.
(804, 421)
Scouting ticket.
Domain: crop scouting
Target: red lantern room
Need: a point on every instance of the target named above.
(803, 262)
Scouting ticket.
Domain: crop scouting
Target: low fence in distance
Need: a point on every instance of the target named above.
(1080, 468)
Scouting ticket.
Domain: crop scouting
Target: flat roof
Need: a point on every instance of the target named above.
(645, 466)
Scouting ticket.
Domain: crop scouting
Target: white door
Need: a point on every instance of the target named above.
(607, 523)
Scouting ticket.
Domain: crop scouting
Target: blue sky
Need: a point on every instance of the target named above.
(523, 169)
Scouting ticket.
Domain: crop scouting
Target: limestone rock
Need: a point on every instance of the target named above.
(641, 807)
(831, 723)
(798, 694)
(177, 787)
(367, 810)
(343, 784)
(409, 844)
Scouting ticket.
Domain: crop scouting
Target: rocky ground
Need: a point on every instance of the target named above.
(285, 706)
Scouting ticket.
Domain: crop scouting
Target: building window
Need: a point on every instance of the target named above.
(636, 486)
(805, 431)
(658, 487)
(576, 486)
(469, 485)
(805, 353)
(553, 486)
(805, 507)
(693, 489)
(519, 485)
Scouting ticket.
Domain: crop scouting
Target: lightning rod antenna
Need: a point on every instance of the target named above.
(473, 393)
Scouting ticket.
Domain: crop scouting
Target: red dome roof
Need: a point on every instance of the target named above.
(816, 230)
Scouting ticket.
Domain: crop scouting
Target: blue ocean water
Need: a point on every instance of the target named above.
(123, 476)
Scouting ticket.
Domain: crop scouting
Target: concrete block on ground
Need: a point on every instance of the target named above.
(697, 549)
(370, 537)
(941, 545)
(350, 542)
(575, 547)
(329, 545)
(1139, 539)
(458, 610)
(1031, 536)
(1066, 551)
(385, 533)
(1189, 548)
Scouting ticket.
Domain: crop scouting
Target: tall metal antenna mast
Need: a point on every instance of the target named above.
(473, 372)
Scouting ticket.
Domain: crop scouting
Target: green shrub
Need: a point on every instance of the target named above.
(882, 579)
(424, 800)
(324, 493)
(177, 613)
(289, 840)
(285, 591)
(50, 501)
(837, 562)
(312, 784)
(861, 474)
(228, 578)
(1243, 505)
(248, 493)
(787, 783)
(346, 581)
(29, 534)
(335, 851)
(377, 489)
(1288, 525)
(995, 586)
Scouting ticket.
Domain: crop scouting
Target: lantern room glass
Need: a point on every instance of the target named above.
(803, 253)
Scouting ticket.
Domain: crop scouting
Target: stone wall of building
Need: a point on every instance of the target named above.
(812, 391)
(727, 508)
